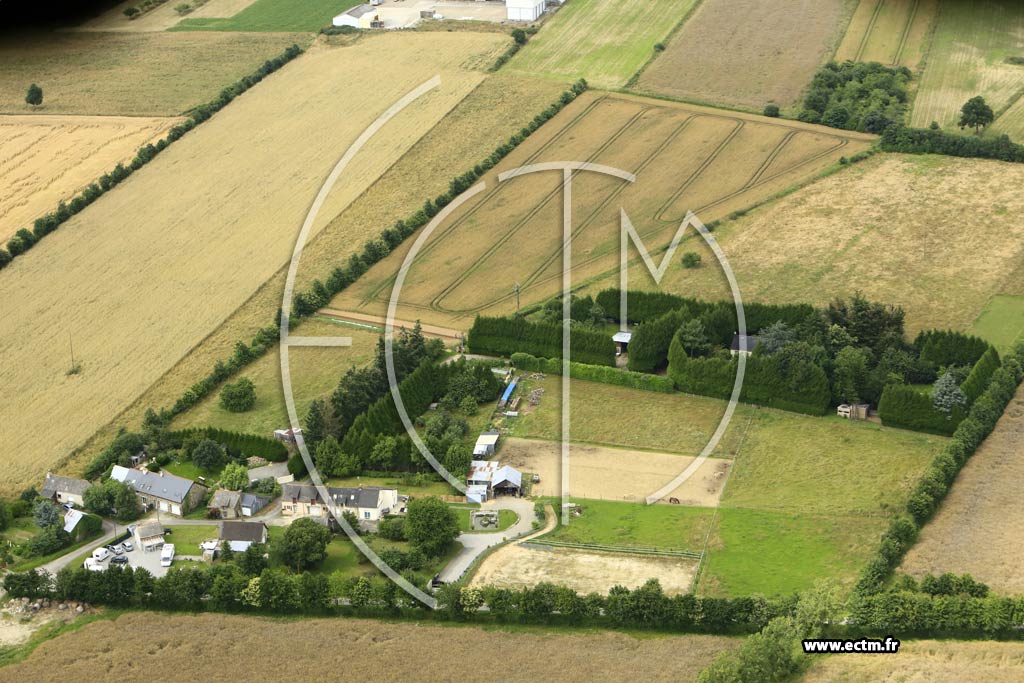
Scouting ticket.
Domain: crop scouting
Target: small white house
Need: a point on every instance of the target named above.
(524, 10)
(485, 445)
(359, 16)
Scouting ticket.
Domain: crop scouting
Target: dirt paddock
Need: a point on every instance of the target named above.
(613, 473)
(520, 566)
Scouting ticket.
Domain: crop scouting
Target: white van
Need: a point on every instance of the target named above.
(167, 555)
(101, 554)
(92, 565)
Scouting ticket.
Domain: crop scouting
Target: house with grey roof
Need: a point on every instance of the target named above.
(240, 535)
(252, 503)
(368, 503)
(64, 490)
(743, 343)
(161, 490)
(225, 505)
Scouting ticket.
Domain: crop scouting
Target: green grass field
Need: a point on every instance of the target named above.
(669, 527)
(966, 58)
(186, 469)
(186, 538)
(273, 15)
(769, 553)
(619, 416)
(604, 41)
(1001, 322)
(827, 465)
(315, 374)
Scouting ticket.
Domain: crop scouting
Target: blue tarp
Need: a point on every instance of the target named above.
(508, 391)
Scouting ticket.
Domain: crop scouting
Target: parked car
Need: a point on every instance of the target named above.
(120, 559)
(128, 546)
(116, 549)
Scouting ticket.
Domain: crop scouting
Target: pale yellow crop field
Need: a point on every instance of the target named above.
(48, 159)
(144, 274)
(892, 32)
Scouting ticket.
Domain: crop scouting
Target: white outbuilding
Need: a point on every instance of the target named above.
(359, 16)
(524, 10)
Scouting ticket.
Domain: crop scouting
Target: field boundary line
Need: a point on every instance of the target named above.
(375, 293)
(906, 33)
(629, 550)
(541, 205)
(714, 515)
(635, 78)
(867, 31)
(692, 178)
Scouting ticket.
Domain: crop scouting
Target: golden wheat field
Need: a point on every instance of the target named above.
(495, 109)
(925, 661)
(228, 648)
(684, 157)
(893, 32)
(747, 53)
(936, 235)
(48, 159)
(149, 270)
(129, 74)
(979, 529)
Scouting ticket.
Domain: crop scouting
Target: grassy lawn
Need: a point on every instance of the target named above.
(1001, 322)
(430, 488)
(186, 538)
(315, 374)
(633, 524)
(770, 553)
(630, 418)
(188, 470)
(26, 564)
(605, 41)
(827, 465)
(273, 15)
(20, 529)
(506, 518)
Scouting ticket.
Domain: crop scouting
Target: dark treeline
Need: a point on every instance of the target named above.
(505, 336)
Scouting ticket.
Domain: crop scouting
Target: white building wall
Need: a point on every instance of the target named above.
(524, 10)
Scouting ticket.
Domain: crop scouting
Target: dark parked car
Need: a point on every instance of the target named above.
(119, 559)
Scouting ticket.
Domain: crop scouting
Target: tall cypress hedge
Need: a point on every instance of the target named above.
(802, 389)
(647, 306)
(942, 348)
(505, 336)
(906, 407)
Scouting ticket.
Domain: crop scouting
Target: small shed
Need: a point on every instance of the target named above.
(524, 10)
(71, 519)
(149, 535)
(252, 503)
(476, 493)
(743, 343)
(485, 444)
(622, 339)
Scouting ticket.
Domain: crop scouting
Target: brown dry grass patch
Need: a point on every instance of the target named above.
(925, 661)
(980, 527)
(936, 235)
(130, 74)
(746, 53)
(230, 648)
(614, 473)
(496, 108)
(48, 159)
(522, 566)
(179, 246)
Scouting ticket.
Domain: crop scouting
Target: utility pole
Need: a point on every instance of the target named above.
(515, 288)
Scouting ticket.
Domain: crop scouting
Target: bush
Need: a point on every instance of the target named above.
(691, 259)
(906, 407)
(297, 466)
(238, 397)
(771, 110)
(866, 97)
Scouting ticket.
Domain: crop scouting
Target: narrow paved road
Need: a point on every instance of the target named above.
(475, 544)
(64, 560)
